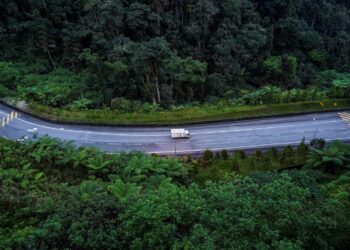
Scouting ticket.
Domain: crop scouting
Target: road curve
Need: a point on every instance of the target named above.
(252, 134)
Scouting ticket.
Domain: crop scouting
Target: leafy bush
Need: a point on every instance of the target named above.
(57, 89)
(123, 105)
(333, 158)
(9, 75)
(5, 92)
(244, 213)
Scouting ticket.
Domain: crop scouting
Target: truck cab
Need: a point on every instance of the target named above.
(180, 133)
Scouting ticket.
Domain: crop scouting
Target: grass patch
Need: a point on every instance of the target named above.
(190, 115)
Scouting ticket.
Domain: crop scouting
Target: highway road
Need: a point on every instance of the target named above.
(249, 134)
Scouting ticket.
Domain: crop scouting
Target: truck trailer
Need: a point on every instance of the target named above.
(180, 133)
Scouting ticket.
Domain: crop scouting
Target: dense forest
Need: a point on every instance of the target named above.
(129, 58)
(124, 53)
(56, 196)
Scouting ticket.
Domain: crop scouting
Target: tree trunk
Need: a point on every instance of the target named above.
(50, 57)
(148, 82)
(44, 3)
(157, 87)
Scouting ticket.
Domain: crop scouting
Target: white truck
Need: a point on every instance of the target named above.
(180, 133)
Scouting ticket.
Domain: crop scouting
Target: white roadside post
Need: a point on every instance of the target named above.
(4, 121)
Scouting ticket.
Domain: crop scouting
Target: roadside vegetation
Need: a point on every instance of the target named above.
(205, 113)
(57, 96)
(56, 196)
(133, 60)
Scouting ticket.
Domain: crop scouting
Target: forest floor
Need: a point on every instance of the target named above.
(185, 116)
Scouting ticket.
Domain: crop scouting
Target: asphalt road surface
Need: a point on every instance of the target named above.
(251, 134)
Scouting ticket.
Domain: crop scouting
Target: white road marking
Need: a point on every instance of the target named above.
(32, 130)
(220, 124)
(167, 135)
(200, 150)
(243, 147)
(123, 144)
(134, 134)
(91, 132)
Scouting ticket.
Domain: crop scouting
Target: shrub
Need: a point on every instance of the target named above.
(4, 91)
(124, 105)
(235, 166)
(217, 156)
(208, 155)
(224, 154)
(9, 75)
(148, 107)
(287, 157)
(273, 152)
(240, 155)
(258, 154)
(318, 143)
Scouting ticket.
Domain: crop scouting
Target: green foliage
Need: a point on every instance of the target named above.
(124, 191)
(167, 53)
(9, 75)
(54, 196)
(224, 155)
(55, 89)
(241, 214)
(281, 69)
(86, 217)
(332, 158)
(123, 105)
(273, 64)
(81, 104)
(287, 156)
(141, 169)
(63, 88)
(318, 143)
(208, 155)
(272, 94)
(241, 164)
(317, 56)
(5, 92)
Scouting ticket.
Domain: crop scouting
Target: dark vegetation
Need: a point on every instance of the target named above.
(191, 60)
(148, 55)
(205, 113)
(55, 196)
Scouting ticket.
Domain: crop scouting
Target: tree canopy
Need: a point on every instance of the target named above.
(56, 196)
(171, 52)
